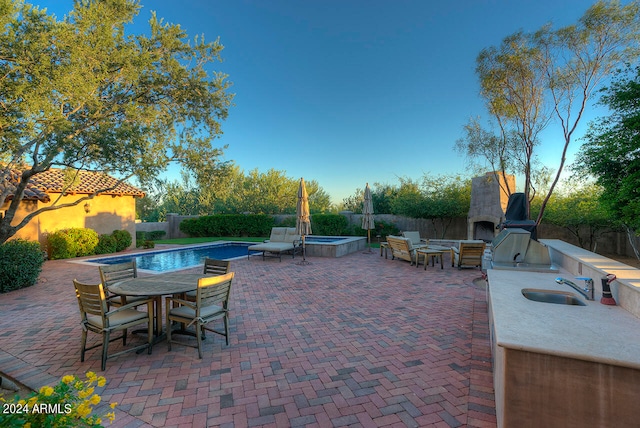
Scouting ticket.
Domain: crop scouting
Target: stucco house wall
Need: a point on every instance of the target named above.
(106, 214)
(108, 211)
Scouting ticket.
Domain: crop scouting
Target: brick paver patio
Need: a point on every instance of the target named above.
(359, 341)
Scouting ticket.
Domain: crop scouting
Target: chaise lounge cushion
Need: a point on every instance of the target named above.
(272, 247)
(282, 239)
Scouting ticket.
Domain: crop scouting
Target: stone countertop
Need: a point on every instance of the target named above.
(596, 332)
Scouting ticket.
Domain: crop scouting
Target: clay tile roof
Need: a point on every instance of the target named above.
(31, 193)
(53, 181)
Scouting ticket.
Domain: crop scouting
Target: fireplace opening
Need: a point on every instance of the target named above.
(484, 230)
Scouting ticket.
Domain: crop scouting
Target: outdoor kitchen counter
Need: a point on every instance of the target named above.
(596, 332)
(561, 365)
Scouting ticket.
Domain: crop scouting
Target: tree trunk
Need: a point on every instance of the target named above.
(631, 234)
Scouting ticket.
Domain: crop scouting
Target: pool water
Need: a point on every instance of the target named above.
(179, 258)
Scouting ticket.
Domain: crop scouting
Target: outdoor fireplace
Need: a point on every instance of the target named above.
(489, 198)
(484, 230)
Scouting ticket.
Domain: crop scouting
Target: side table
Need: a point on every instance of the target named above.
(426, 252)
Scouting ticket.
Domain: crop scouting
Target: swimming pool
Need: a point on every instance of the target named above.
(178, 258)
(186, 257)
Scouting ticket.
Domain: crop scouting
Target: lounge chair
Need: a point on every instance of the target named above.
(282, 240)
(416, 241)
(401, 248)
(469, 254)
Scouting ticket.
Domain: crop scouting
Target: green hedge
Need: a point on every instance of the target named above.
(145, 239)
(80, 242)
(228, 225)
(155, 235)
(20, 264)
(288, 222)
(72, 242)
(260, 225)
(330, 225)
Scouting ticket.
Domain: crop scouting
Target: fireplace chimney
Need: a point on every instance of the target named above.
(489, 198)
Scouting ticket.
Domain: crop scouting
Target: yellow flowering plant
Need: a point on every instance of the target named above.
(68, 404)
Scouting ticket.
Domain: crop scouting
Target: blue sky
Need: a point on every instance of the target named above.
(346, 92)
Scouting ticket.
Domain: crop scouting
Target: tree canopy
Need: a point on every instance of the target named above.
(80, 93)
(255, 192)
(611, 152)
(579, 210)
(533, 79)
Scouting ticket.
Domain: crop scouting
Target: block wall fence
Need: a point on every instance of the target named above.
(610, 242)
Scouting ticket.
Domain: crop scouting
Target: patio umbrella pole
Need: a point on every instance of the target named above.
(367, 217)
(304, 254)
(303, 223)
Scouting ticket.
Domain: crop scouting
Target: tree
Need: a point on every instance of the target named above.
(532, 78)
(409, 199)
(581, 212)
(438, 198)
(381, 194)
(447, 197)
(612, 151)
(81, 94)
(270, 192)
(513, 84)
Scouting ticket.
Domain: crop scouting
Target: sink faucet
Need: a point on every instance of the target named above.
(587, 291)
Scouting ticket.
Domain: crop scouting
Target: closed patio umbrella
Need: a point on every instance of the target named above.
(368, 221)
(303, 223)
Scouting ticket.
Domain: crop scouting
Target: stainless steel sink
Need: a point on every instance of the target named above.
(549, 296)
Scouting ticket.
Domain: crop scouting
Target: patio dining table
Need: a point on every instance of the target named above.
(158, 286)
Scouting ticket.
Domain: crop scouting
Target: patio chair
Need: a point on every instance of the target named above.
(212, 303)
(401, 248)
(416, 241)
(468, 255)
(96, 317)
(213, 267)
(111, 274)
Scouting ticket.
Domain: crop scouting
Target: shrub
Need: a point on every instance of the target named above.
(148, 244)
(106, 244)
(73, 400)
(20, 264)
(154, 235)
(123, 239)
(385, 229)
(72, 242)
